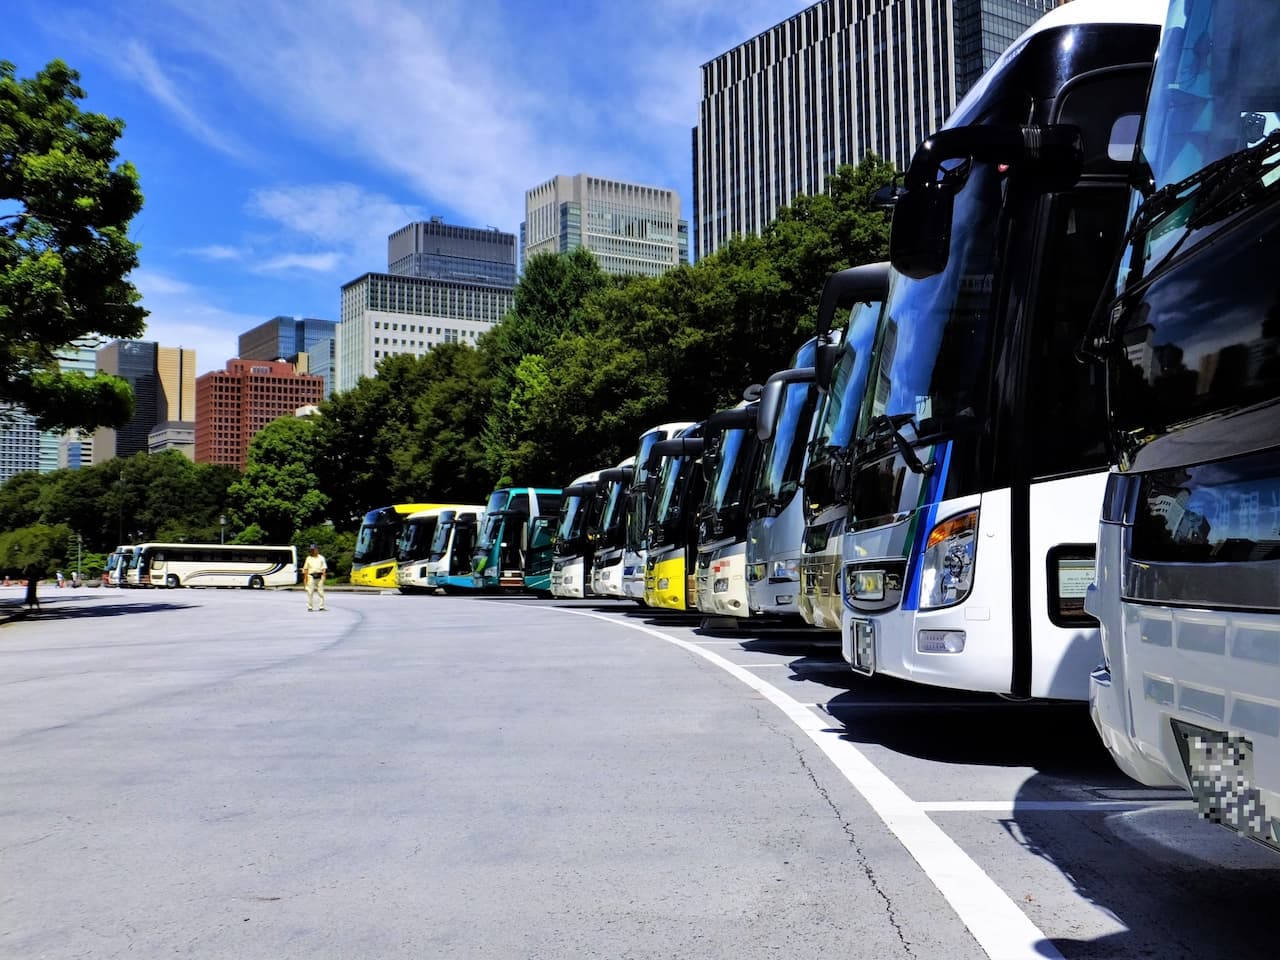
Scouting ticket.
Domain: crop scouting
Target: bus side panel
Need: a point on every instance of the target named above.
(1063, 512)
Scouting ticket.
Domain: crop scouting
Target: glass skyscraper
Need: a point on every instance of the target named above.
(842, 78)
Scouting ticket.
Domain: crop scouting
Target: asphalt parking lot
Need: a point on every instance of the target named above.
(221, 774)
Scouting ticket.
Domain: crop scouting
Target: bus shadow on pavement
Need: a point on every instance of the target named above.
(944, 726)
(70, 610)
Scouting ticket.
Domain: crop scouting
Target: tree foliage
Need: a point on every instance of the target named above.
(65, 252)
(278, 493)
(35, 551)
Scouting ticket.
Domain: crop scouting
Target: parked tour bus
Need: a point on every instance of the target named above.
(842, 386)
(1188, 588)
(514, 549)
(449, 563)
(373, 562)
(775, 516)
(609, 534)
(729, 455)
(117, 565)
(981, 450)
(675, 484)
(415, 544)
(635, 553)
(212, 565)
(572, 546)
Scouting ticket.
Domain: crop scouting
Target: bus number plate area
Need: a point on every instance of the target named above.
(861, 646)
(1219, 768)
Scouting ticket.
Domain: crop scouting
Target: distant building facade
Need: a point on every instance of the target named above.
(232, 405)
(437, 250)
(322, 362)
(163, 382)
(385, 314)
(633, 230)
(842, 78)
(177, 435)
(19, 442)
(283, 338)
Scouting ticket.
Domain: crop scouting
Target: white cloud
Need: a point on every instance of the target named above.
(314, 262)
(183, 315)
(138, 62)
(216, 251)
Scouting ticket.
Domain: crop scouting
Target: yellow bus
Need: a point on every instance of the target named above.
(373, 563)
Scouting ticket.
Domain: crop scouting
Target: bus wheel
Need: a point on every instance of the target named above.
(171, 581)
(255, 583)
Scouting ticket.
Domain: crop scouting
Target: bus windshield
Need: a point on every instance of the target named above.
(931, 353)
(639, 532)
(666, 503)
(1212, 129)
(573, 516)
(377, 537)
(440, 539)
(612, 512)
(415, 538)
(728, 485)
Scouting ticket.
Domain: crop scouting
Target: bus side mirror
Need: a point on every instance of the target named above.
(920, 237)
(824, 364)
(770, 401)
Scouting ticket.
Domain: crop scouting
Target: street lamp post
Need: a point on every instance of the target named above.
(222, 522)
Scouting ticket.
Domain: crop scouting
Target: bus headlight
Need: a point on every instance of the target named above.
(946, 570)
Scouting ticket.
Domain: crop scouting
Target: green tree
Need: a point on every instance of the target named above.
(279, 493)
(65, 252)
(366, 442)
(20, 500)
(549, 302)
(35, 551)
(446, 458)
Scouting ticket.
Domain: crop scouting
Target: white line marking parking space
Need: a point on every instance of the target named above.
(1002, 930)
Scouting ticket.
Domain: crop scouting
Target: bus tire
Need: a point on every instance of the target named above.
(171, 581)
(255, 582)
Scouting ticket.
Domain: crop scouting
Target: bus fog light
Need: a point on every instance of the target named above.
(940, 641)
(783, 599)
(946, 569)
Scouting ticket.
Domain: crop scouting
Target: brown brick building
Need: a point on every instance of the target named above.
(232, 405)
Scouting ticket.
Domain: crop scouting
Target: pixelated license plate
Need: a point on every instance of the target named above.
(1220, 770)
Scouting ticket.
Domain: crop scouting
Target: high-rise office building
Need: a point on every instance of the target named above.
(322, 362)
(19, 442)
(232, 405)
(283, 338)
(384, 314)
(442, 251)
(73, 448)
(633, 230)
(842, 78)
(163, 381)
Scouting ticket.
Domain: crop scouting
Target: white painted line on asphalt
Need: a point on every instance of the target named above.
(1002, 930)
(1023, 806)
(920, 705)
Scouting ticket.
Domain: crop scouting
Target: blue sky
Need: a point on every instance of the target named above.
(278, 143)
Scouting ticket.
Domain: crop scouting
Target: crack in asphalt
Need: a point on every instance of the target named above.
(863, 861)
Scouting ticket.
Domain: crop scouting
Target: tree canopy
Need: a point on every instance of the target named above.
(65, 252)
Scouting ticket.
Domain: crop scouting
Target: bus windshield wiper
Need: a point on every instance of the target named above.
(891, 425)
(1215, 183)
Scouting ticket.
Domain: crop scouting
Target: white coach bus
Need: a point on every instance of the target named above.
(212, 565)
(981, 453)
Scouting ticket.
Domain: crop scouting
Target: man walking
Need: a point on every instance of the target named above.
(314, 570)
